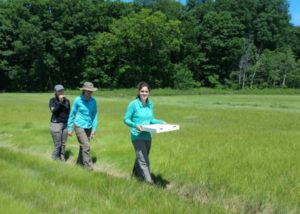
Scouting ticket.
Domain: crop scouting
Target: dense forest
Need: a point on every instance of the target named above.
(115, 44)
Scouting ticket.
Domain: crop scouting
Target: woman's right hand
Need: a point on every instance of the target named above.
(70, 134)
(139, 127)
(61, 98)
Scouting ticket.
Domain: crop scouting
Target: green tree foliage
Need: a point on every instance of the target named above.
(248, 65)
(294, 76)
(265, 21)
(294, 40)
(138, 47)
(214, 49)
(183, 77)
(221, 40)
(225, 38)
(272, 69)
(194, 3)
(212, 43)
(171, 8)
(46, 40)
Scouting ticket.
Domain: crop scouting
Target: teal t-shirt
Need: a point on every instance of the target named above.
(138, 114)
(83, 114)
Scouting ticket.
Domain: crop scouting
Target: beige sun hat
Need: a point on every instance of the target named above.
(88, 86)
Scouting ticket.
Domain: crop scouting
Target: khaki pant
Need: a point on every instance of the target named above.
(84, 157)
(59, 135)
(141, 169)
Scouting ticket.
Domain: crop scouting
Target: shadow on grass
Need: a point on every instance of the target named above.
(159, 180)
(68, 154)
(94, 159)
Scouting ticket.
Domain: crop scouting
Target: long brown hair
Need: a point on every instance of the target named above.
(140, 86)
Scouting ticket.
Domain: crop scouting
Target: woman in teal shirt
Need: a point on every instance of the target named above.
(83, 119)
(140, 112)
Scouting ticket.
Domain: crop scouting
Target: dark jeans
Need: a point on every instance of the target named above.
(59, 135)
(141, 168)
(84, 157)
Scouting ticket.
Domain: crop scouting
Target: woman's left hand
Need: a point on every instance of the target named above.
(139, 127)
(92, 135)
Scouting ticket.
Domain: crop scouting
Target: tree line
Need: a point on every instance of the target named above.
(114, 44)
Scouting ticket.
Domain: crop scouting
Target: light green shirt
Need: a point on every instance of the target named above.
(138, 114)
(83, 114)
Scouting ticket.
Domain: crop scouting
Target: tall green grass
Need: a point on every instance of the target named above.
(30, 184)
(234, 153)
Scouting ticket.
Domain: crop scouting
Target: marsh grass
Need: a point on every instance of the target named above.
(234, 153)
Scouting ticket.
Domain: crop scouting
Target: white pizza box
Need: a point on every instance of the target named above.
(159, 128)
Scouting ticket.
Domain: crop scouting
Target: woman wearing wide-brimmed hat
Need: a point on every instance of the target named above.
(83, 120)
(60, 107)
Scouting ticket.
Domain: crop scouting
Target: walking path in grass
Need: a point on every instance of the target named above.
(234, 205)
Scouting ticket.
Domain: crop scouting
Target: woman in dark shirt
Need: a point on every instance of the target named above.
(60, 107)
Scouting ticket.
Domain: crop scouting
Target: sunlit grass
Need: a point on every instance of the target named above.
(239, 153)
(31, 184)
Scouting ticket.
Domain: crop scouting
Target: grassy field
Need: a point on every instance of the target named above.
(233, 154)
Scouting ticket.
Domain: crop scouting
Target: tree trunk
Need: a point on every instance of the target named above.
(244, 77)
(252, 79)
(240, 76)
(283, 81)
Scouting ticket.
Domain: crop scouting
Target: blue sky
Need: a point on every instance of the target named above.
(295, 12)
